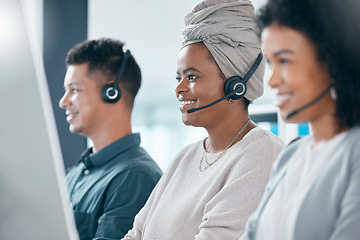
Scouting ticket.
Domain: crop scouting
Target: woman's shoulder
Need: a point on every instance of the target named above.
(288, 152)
(257, 150)
(262, 138)
(350, 144)
(353, 136)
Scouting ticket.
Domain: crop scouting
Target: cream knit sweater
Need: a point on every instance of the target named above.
(215, 203)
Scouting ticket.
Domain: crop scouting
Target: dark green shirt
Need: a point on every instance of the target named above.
(109, 187)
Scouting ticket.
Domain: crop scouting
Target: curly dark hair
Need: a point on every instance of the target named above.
(333, 26)
(104, 55)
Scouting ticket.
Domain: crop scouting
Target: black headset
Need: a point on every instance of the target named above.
(111, 93)
(237, 84)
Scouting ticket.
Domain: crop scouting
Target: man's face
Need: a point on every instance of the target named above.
(82, 101)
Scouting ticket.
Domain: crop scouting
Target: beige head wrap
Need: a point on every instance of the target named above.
(229, 31)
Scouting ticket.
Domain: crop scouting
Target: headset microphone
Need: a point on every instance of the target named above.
(321, 95)
(191, 110)
(111, 92)
(235, 87)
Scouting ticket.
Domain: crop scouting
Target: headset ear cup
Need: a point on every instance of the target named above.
(235, 83)
(111, 94)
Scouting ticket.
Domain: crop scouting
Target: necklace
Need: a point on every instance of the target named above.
(222, 152)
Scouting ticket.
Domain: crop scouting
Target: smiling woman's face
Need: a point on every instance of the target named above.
(200, 83)
(296, 73)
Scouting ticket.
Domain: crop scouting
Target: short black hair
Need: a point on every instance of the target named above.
(105, 55)
(333, 26)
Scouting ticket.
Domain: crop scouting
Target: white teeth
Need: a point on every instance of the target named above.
(182, 103)
(281, 98)
(71, 114)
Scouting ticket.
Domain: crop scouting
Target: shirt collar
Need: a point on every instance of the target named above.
(104, 155)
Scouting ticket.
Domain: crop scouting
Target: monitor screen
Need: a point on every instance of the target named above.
(33, 197)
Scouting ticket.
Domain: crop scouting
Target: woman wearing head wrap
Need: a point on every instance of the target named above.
(313, 51)
(213, 185)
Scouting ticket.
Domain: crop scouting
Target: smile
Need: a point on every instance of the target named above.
(70, 116)
(186, 104)
(282, 99)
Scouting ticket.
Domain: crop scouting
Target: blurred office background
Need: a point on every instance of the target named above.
(152, 31)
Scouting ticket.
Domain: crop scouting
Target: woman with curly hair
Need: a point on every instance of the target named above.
(312, 50)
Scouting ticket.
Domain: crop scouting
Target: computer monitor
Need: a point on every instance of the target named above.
(33, 197)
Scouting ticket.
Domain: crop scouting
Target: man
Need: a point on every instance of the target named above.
(114, 177)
